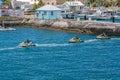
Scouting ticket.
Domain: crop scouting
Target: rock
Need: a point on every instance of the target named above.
(60, 24)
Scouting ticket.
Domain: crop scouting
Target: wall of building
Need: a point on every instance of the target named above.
(48, 14)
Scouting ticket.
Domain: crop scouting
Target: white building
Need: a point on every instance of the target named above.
(16, 13)
(30, 1)
(74, 5)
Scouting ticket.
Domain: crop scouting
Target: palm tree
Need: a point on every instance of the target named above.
(40, 3)
(35, 5)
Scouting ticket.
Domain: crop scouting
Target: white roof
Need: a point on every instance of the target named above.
(74, 3)
(49, 8)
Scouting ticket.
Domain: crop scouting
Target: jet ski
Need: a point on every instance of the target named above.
(102, 36)
(75, 40)
(26, 44)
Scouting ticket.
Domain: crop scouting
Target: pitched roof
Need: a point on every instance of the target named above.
(49, 8)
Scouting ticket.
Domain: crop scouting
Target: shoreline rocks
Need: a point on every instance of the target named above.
(85, 27)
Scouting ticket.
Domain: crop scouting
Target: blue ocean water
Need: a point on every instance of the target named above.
(55, 59)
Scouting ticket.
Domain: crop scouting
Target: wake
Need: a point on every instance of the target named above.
(90, 41)
(10, 48)
(37, 45)
(115, 38)
(52, 45)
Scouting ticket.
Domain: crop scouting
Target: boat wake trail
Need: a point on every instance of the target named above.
(91, 40)
(115, 38)
(52, 45)
(10, 48)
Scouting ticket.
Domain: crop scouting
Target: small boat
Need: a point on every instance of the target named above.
(4, 28)
(75, 40)
(26, 43)
(102, 36)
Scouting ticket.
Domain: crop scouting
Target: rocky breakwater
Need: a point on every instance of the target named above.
(86, 27)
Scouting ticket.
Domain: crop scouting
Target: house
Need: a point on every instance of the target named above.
(83, 1)
(30, 1)
(74, 5)
(59, 2)
(16, 13)
(50, 2)
(4, 11)
(49, 12)
(1, 2)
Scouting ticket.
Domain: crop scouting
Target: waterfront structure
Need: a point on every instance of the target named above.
(74, 5)
(1, 2)
(48, 12)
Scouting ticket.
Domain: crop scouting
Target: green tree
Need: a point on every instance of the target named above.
(35, 6)
(40, 3)
(7, 2)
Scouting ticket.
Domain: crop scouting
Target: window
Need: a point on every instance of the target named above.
(52, 13)
(45, 12)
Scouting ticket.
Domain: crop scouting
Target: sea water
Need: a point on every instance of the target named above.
(53, 58)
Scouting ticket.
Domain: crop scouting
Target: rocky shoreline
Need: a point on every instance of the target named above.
(85, 27)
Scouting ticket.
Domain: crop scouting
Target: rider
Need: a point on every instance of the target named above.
(27, 41)
(76, 38)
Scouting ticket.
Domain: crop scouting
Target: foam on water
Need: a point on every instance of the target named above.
(9, 48)
(115, 38)
(52, 45)
(91, 40)
(38, 45)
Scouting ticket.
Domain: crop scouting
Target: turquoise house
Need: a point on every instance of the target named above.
(49, 12)
(1, 2)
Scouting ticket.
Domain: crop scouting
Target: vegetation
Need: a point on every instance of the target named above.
(40, 3)
(106, 3)
(7, 2)
(35, 6)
